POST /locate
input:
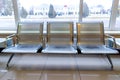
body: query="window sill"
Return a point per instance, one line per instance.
(106, 32)
(112, 32)
(7, 32)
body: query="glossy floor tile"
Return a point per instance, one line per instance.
(59, 67)
(99, 75)
(7, 75)
(115, 61)
(60, 75)
(4, 58)
(92, 62)
(61, 62)
(28, 75)
(28, 62)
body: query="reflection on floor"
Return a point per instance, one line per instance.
(59, 67)
(60, 75)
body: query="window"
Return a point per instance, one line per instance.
(13, 11)
(7, 21)
(97, 10)
(117, 26)
(48, 10)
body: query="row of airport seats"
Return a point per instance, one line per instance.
(60, 38)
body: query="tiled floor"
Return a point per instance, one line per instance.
(59, 62)
(60, 75)
(59, 67)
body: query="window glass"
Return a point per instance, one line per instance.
(118, 18)
(97, 10)
(7, 21)
(45, 10)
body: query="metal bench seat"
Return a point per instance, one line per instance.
(60, 49)
(59, 38)
(23, 48)
(91, 39)
(28, 39)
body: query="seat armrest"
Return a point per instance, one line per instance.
(11, 40)
(111, 41)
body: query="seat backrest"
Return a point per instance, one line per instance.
(29, 33)
(60, 33)
(90, 33)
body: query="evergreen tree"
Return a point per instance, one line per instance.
(7, 6)
(52, 12)
(23, 13)
(85, 10)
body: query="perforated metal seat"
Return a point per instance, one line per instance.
(27, 40)
(59, 38)
(90, 39)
